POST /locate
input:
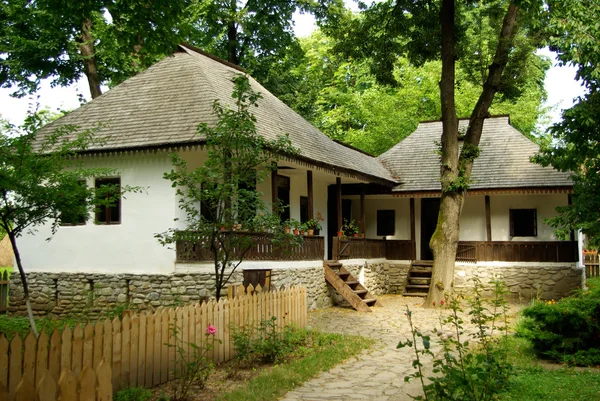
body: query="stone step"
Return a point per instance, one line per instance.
(414, 294)
(417, 287)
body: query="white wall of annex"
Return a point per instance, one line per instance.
(401, 207)
(129, 247)
(545, 205)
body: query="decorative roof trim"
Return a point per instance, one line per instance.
(195, 144)
(468, 118)
(490, 191)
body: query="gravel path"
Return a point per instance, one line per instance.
(376, 374)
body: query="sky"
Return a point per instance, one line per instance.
(560, 84)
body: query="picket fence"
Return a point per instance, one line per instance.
(139, 350)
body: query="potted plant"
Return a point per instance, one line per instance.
(295, 225)
(350, 227)
(312, 225)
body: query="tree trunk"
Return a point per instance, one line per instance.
(13, 242)
(90, 64)
(232, 44)
(444, 241)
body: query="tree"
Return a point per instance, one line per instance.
(257, 35)
(41, 183)
(225, 186)
(341, 96)
(407, 27)
(574, 143)
(104, 40)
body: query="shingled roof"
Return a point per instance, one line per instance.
(162, 107)
(503, 162)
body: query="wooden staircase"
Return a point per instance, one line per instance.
(419, 279)
(348, 286)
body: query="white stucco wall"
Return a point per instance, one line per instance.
(373, 203)
(545, 205)
(472, 219)
(129, 247)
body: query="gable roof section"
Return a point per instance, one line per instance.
(162, 107)
(503, 162)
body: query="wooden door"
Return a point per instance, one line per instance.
(430, 208)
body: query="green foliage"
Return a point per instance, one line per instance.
(568, 330)
(133, 394)
(533, 381)
(464, 372)
(225, 185)
(341, 96)
(350, 227)
(267, 343)
(19, 325)
(46, 39)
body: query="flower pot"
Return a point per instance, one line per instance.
(340, 234)
(355, 235)
(311, 232)
(362, 235)
(296, 231)
(286, 230)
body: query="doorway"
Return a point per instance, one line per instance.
(430, 208)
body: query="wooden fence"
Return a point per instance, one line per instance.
(591, 260)
(139, 349)
(90, 385)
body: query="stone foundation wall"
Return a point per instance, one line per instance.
(523, 280)
(93, 294)
(380, 276)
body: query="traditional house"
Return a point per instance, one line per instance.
(114, 257)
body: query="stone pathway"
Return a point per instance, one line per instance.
(377, 374)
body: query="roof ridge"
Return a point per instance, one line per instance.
(467, 118)
(187, 46)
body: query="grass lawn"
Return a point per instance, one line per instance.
(537, 380)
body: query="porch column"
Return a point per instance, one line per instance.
(362, 209)
(338, 199)
(413, 236)
(488, 218)
(274, 189)
(309, 191)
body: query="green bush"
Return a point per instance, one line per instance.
(265, 343)
(566, 331)
(133, 394)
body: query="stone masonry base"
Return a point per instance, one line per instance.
(93, 294)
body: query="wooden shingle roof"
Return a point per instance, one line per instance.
(162, 107)
(504, 161)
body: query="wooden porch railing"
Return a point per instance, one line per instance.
(524, 251)
(263, 248)
(359, 248)
(592, 264)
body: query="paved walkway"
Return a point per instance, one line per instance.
(377, 374)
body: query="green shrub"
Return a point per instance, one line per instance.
(133, 394)
(464, 372)
(265, 343)
(566, 331)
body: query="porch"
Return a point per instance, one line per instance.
(313, 248)
(467, 252)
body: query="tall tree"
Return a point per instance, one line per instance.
(341, 96)
(104, 40)
(438, 30)
(574, 143)
(257, 34)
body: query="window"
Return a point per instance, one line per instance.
(108, 209)
(386, 222)
(523, 222)
(208, 208)
(77, 212)
(283, 194)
